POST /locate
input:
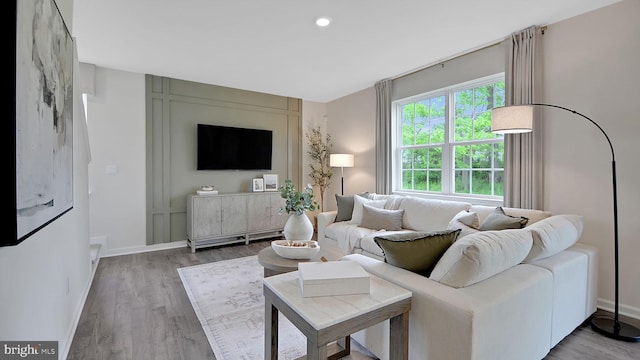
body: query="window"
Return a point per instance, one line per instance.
(444, 144)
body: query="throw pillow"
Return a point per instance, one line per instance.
(467, 222)
(481, 255)
(553, 235)
(358, 201)
(498, 220)
(345, 206)
(418, 251)
(379, 219)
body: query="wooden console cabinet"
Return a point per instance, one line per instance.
(230, 218)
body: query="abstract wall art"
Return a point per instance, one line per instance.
(43, 117)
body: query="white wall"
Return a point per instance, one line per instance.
(116, 121)
(45, 278)
(591, 66)
(352, 125)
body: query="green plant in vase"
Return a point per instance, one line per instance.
(298, 226)
(297, 201)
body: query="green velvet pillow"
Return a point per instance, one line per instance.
(345, 206)
(418, 252)
(498, 220)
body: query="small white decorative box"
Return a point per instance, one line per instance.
(332, 278)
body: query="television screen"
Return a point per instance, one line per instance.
(232, 148)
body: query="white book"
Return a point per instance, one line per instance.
(332, 278)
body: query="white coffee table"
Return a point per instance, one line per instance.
(329, 318)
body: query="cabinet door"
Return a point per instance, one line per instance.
(205, 217)
(277, 220)
(259, 212)
(234, 214)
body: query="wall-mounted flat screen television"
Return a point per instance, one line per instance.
(233, 148)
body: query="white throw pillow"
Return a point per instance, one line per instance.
(466, 221)
(553, 235)
(358, 201)
(479, 256)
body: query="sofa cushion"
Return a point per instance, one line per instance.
(533, 215)
(345, 206)
(418, 251)
(393, 201)
(498, 220)
(467, 222)
(428, 214)
(346, 235)
(358, 201)
(553, 235)
(381, 219)
(479, 256)
(369, 247)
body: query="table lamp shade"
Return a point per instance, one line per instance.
(341, 160)
(512, 119)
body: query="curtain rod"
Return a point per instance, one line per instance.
(441, 62)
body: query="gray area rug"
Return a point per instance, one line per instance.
(227, 298)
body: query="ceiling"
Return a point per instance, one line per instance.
(274, 46)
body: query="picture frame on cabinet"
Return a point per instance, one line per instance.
(270, 182)
(257, 185)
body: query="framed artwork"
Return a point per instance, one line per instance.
(43, 117)
(270, 182)
(258, 185)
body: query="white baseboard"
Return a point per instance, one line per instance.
(630, 311)
(146, 248)
(64, 352)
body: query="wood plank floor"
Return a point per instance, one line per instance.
(137, 309)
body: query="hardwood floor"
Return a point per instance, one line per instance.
(137, 309)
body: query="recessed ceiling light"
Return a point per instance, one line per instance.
(323, 21)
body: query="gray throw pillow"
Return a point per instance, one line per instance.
(418, 252)
(378, 219)
(498, 220)
(345, 206)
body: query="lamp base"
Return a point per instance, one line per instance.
(606, 326)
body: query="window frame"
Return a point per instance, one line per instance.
(448, 160)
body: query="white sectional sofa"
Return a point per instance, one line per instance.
(494, 294)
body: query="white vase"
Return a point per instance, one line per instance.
(298, 227)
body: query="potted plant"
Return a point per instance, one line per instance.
(319, 151)
(298, 226)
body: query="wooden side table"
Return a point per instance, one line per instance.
(326, 319)
(274, 264)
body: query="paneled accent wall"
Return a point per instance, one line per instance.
(173, 110)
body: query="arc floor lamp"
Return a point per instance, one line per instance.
(342, 161)
(518, 119)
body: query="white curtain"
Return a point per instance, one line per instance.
(383, 137)
(523, 181)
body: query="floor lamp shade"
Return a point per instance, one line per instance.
(518, 119)
(342, 161)
(512, 119)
